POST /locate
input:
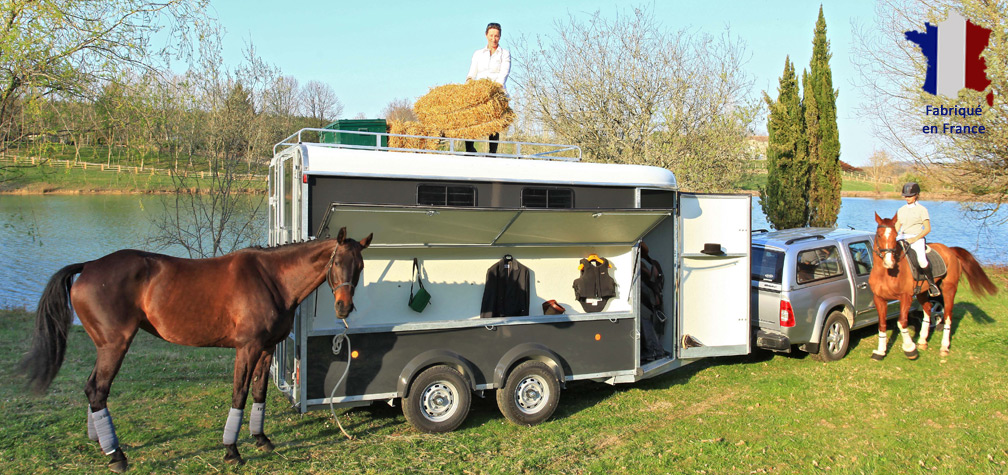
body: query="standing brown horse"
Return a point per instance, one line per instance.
(892, 279)
(244, 300)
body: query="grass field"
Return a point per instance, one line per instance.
(756, 414)
(58, 178)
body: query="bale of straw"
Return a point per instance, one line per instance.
(407, 127)
(472, 110)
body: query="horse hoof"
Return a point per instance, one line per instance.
(922, 346)
(263, 443)
(945, 352)
(912, 355)
(232, 456)
(877, 357)
(118, 463)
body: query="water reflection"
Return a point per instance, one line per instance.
(41, 234)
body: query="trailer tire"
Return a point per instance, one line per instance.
(835, 339)
(530, 394)
(438, 400)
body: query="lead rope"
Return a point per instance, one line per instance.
(337, 345)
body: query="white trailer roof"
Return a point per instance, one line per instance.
(324, 159)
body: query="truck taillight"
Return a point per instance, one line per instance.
(786, 314)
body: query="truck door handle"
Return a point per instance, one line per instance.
(863, 285)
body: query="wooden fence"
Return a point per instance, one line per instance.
(116, 168)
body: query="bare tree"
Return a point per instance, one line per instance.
(628, 90)
(320, 103)
(880, 168)
(399, 110)
(212, 211)
(892, 69)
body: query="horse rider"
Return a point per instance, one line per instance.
(912, 224)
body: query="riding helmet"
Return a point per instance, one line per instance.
(911, 189)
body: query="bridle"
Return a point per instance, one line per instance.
(329, 274)
(882, 251)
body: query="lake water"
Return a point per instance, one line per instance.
(41, 234)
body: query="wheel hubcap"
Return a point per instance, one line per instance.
(835, 338)
(439, 401)
(531, 394)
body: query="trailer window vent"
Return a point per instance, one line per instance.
(547, 198)
(446, 195)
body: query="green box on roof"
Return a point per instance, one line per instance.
(356, 125)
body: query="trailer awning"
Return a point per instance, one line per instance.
(418, 226)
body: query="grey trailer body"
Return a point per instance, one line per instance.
(458, 214)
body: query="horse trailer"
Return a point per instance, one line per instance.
(540, 269)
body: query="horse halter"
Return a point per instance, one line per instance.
(329, 273)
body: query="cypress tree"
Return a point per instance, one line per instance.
(824, 161)
(784, 198)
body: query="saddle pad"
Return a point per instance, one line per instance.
(938, 269)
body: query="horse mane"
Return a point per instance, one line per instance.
(282, 247)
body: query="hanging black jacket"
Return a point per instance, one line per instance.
(506, 293)
(595, 286)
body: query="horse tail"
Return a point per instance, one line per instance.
(978, 280)
(52, 321)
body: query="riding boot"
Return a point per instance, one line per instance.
(933, 290)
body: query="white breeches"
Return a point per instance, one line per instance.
(919, 247)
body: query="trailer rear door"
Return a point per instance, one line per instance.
(713, 300)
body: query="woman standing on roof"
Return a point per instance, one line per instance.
(494, 63)
(913, 223)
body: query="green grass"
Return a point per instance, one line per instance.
(757, 414)
(754, 182)
(59, 178)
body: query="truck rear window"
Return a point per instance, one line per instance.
(767, 265)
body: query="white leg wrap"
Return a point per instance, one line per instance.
(256, 418)
(925, 329)
(908, 344)
(106, 431)
(92, 433)
(881, 343)
(232, 426)
(947, 335)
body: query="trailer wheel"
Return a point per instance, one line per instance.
(530, 394)
(438, 400)
(835, 338)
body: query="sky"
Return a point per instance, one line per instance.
(375, 51)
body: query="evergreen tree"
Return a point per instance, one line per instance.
(784, 198)
(813, 150)
(822, 133)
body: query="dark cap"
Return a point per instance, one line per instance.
(911, 189)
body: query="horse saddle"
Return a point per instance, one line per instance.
(938, 268)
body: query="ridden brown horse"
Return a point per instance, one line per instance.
(892, 279)
(243, 300)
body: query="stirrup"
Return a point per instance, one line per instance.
(933, 290)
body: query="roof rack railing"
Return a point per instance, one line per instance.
(817, 237)
(540, 151)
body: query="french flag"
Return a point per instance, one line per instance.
(953, 52)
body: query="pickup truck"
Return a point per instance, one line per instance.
(810, 289)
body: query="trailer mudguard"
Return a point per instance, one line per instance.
(431, 358)
(527, 351)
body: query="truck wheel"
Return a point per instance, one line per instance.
(530, 394)
(438, 400)
(835, 338)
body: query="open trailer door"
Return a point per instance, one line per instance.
(713, 301)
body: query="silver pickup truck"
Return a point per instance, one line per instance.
(810, 289)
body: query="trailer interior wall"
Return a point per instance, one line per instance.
(455, 278)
